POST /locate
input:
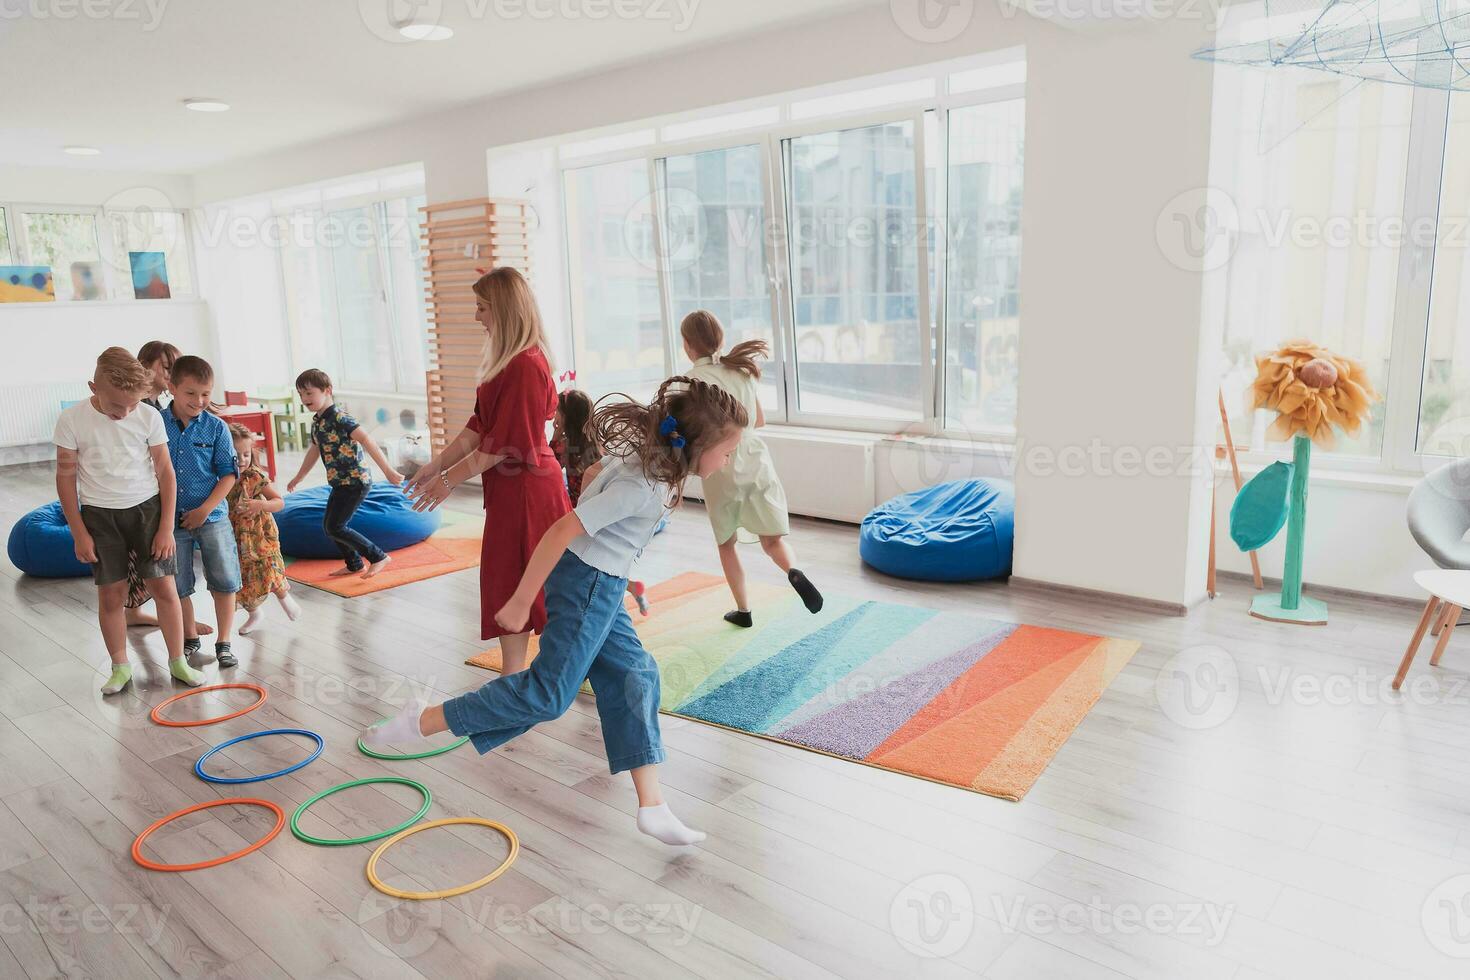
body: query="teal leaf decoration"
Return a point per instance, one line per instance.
(1260, 508)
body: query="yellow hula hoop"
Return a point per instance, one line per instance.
(372, 864)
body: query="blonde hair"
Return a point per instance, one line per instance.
(517, 320)
(118, 367)
(702, 414)
(239, 432)
(701, 330)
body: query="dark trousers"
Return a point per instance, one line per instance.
(342, 503)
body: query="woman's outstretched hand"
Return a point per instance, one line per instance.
(426, 473)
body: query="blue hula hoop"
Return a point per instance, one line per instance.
(199, 766)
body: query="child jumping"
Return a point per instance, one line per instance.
(204, 462)
(574, 440)
(582, 561)
(117, 490)
(252, 502)
(748, 494)
(338, 441)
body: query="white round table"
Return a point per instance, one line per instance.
(1449, 593)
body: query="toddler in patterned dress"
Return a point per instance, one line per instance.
(253, 500)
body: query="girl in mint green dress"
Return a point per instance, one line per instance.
(746, 495)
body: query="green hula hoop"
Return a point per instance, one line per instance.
(412, 755)
(302, 835)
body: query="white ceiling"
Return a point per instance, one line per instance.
(300, 70)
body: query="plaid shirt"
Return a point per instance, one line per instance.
(203, 454)
(332, 430)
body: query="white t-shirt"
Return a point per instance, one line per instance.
(619, 510)
(114, 467)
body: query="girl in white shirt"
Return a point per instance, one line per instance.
(690, 428)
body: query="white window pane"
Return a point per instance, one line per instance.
(607, 144)
(717, 250)
(406, 282)
(5, 253)
(983, 275)
(616, 316)
(150, 231)
(988, 76)
(731, 122)
(855, 282)
(868, 98)
(1312, 168)
(362, 307)
(1444, 409)
(59, 239)
(310, 295)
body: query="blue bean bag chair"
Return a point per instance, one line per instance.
(41, 544)
(386, 518)
(956, 532)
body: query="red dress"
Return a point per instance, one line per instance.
(524, 493)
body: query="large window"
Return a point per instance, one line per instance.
(612, 257)
(855, 272)
(715, 229)
(983, 265)
(871, 235)
(354, 292)
(67, 242)
(150, 231)
(1344, 212)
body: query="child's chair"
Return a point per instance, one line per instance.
(236, 398)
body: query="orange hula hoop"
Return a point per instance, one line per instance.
(212, 862)
(157, 713)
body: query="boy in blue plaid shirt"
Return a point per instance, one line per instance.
(203, 455)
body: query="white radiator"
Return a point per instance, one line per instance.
(28, 412)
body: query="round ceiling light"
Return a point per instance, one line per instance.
(425, 32)
(206, 105)
(81, 151)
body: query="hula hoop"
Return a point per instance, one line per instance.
(212, 862)
(157, 713)
(412, 755)
(199, 766)
(372, 865)
(302, 835)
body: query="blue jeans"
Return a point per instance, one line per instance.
(342, 503)
(588, 636)
(216, 541)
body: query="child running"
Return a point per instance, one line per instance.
(338, 441)
(574, 440)
(117, 490)
(748, 494)
(583, 560)
(252, 502)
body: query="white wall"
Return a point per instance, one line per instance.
(1117, 125)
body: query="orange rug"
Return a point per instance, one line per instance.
(970, 702)
(453, 548)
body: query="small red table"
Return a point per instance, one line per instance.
(259, 422)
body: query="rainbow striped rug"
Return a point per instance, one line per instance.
(957, 699)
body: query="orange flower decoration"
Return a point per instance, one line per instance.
(1313, 390)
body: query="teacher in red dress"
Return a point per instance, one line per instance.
(505, 442)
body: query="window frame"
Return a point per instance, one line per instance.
(773, 140)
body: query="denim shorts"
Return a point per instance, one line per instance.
(216, 541)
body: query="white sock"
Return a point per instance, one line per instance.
(252, 620)
(659, 822)
(288, 603)
(401, 729)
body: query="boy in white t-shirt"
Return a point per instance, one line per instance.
(117, 489)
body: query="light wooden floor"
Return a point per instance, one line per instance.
(1299, 834)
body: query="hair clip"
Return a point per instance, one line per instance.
(669, 428)
(714, 358)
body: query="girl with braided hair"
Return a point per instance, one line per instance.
(747, 496)
(582, 563)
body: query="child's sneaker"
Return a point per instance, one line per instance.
(740, 617)
(224, 657)
(640, 596)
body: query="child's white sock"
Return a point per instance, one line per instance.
(402, 729)
(289, 603)
(252, 620)
(659, 822)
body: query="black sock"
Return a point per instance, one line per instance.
(222, 654)
(740, 617)
(804, 588)
(192, 645)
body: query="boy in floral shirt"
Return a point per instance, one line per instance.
(338, 441)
